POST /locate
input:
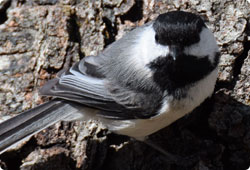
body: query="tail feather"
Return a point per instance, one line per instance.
(16, 129)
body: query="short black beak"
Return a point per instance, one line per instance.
(175, 51)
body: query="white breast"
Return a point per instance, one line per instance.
(170, 111)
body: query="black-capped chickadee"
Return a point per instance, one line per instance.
(141, 83)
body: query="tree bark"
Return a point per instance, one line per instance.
(40, 37)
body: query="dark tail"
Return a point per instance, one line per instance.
(24, 125)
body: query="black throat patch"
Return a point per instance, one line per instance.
(175, 76)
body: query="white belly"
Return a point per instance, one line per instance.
(171, 111)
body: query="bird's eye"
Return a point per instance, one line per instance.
(156, 38)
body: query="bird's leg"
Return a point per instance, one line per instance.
(169, 157)
(173, 158)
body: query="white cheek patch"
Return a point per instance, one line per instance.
(207, 46)
(147, 49)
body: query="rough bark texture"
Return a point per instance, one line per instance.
(40, 37)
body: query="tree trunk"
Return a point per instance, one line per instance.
(40, 37)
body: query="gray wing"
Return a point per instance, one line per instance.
(83, 84)
(99, 82)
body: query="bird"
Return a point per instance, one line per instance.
(139, 84)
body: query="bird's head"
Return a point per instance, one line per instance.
(192, 51)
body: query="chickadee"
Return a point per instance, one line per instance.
(141, 83)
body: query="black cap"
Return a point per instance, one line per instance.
(178, 28)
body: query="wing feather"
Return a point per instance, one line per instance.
(86, 83)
